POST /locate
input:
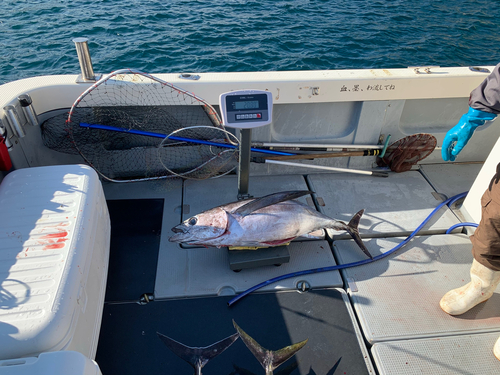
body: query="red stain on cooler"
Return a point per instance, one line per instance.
(55, 235)
(54, 240)
(58, 245)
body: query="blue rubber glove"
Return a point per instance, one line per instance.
(458, 136)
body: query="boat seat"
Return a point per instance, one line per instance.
(54, 252)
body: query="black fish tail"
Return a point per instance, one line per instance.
(269, 359)
(198, 357)
(352, 229)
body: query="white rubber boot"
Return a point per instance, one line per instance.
(496, 349)
(483, 283)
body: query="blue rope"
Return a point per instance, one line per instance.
(348, 265)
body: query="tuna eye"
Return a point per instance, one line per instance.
(193, 221)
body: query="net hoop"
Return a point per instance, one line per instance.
(212, 113)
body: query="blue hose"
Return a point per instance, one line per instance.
(348, 265)
(461, 225)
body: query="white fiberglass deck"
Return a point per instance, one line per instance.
(205, 271)
(396, 298)
(192, 272)
(451, 179)
(393, 206)
(464, 354)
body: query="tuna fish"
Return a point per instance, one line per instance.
(271, 220)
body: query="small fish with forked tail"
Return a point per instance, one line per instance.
(271, 220)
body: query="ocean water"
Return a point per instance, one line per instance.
(245, 35)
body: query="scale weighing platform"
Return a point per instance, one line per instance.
(245, 110)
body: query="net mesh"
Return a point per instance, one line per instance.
(402, 154)
(129, 102)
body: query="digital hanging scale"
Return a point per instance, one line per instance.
(246, 109)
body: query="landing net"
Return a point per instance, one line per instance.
(123, 127)
(408, 151)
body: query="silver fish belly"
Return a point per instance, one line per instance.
(269, 226)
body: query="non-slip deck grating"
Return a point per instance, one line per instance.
(397, 297)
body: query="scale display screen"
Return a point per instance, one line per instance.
(246, 109)
(247, 104)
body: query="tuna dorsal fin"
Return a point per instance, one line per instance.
(198, 357)
(269, 200)
(269, 359)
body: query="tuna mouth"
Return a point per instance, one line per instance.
(177, 230)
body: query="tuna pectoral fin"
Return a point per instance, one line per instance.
(352, 228)
(269, 359)
(198, 357)
(269, 200)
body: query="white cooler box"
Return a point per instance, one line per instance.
(52, 363)
(54, 252)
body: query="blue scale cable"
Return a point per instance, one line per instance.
(448, 202)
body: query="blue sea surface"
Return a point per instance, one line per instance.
(245, 35)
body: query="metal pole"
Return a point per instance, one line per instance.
(244, 163)
(82, 49)
(27, 108)
(326, 147)
(13, 121)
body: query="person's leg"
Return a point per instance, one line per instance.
(496, 349)
(486, 239)
(485, 270)
(481, 287)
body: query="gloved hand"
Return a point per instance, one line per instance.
(458, 136)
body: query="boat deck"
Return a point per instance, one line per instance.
(383, 317)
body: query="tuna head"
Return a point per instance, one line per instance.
(202, 227)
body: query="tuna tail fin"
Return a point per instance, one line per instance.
(198, 357)
(352, 229)
(269, 359)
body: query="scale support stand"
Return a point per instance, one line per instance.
(244, 110)
(244, 163)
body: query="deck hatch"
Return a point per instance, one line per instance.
(274, 319)
(135, 240)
